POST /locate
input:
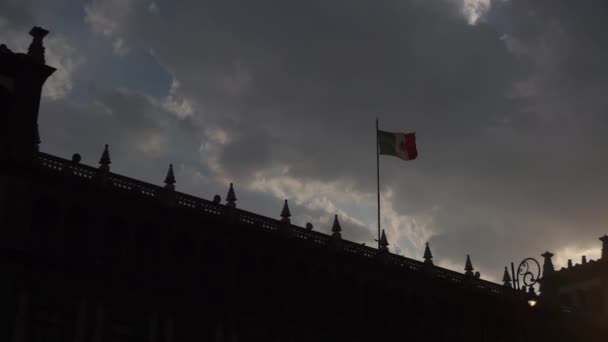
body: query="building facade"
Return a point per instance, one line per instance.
(88, 255)
(581, 289)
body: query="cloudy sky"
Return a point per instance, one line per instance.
(280, 97)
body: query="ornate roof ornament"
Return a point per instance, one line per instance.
(468, 267)
(428, 256)
(506, 278)
(170, 179)
(231, 197)
(336, 229)
(383, 245)
(104, 161)
(604, 240)
(548, 267)
(285, 214)
(36, 48)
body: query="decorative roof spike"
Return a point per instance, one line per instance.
(170, 179)
(335, 228)
(506, 278)
(36, 49)
(428, 256)
(468, 267)
(231, 197)
(285, 214)
(383, 243)
(548, 267)
(104, 161)
(604, 240)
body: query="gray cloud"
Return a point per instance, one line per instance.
(510, 115)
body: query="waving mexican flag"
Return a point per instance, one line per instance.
(401, 145)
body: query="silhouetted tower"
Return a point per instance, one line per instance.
(21, 79)
(428, 256)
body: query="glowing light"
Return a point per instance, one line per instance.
(532, 302)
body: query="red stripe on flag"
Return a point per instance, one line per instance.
(410, 145)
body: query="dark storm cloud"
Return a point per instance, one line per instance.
(510, 114)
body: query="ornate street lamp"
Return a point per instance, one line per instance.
(527, 275)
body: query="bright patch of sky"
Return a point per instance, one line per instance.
(473, 10)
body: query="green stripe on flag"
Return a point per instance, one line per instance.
(387, 143)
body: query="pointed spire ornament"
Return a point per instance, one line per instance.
(336, 229)
(548, 267)
(36, 48)
(506, 278)
(428, 256)
(104, 161)
(231, 197)
(383, 245)
(285, 214)
(468, 267)
(170, 179)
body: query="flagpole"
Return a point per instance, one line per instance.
(378, 178)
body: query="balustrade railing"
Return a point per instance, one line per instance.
(88, 173)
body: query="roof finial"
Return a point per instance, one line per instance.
(231, 197)
(170, 179)
(36, 49)
(383, 245)
(604, 240)
(104, 161)
(428, 256)
(335, 228)
(285, 214)
(548, 267)
(468, 267)
(506, 278)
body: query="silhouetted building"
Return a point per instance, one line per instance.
(581, 288)
(88, 255)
